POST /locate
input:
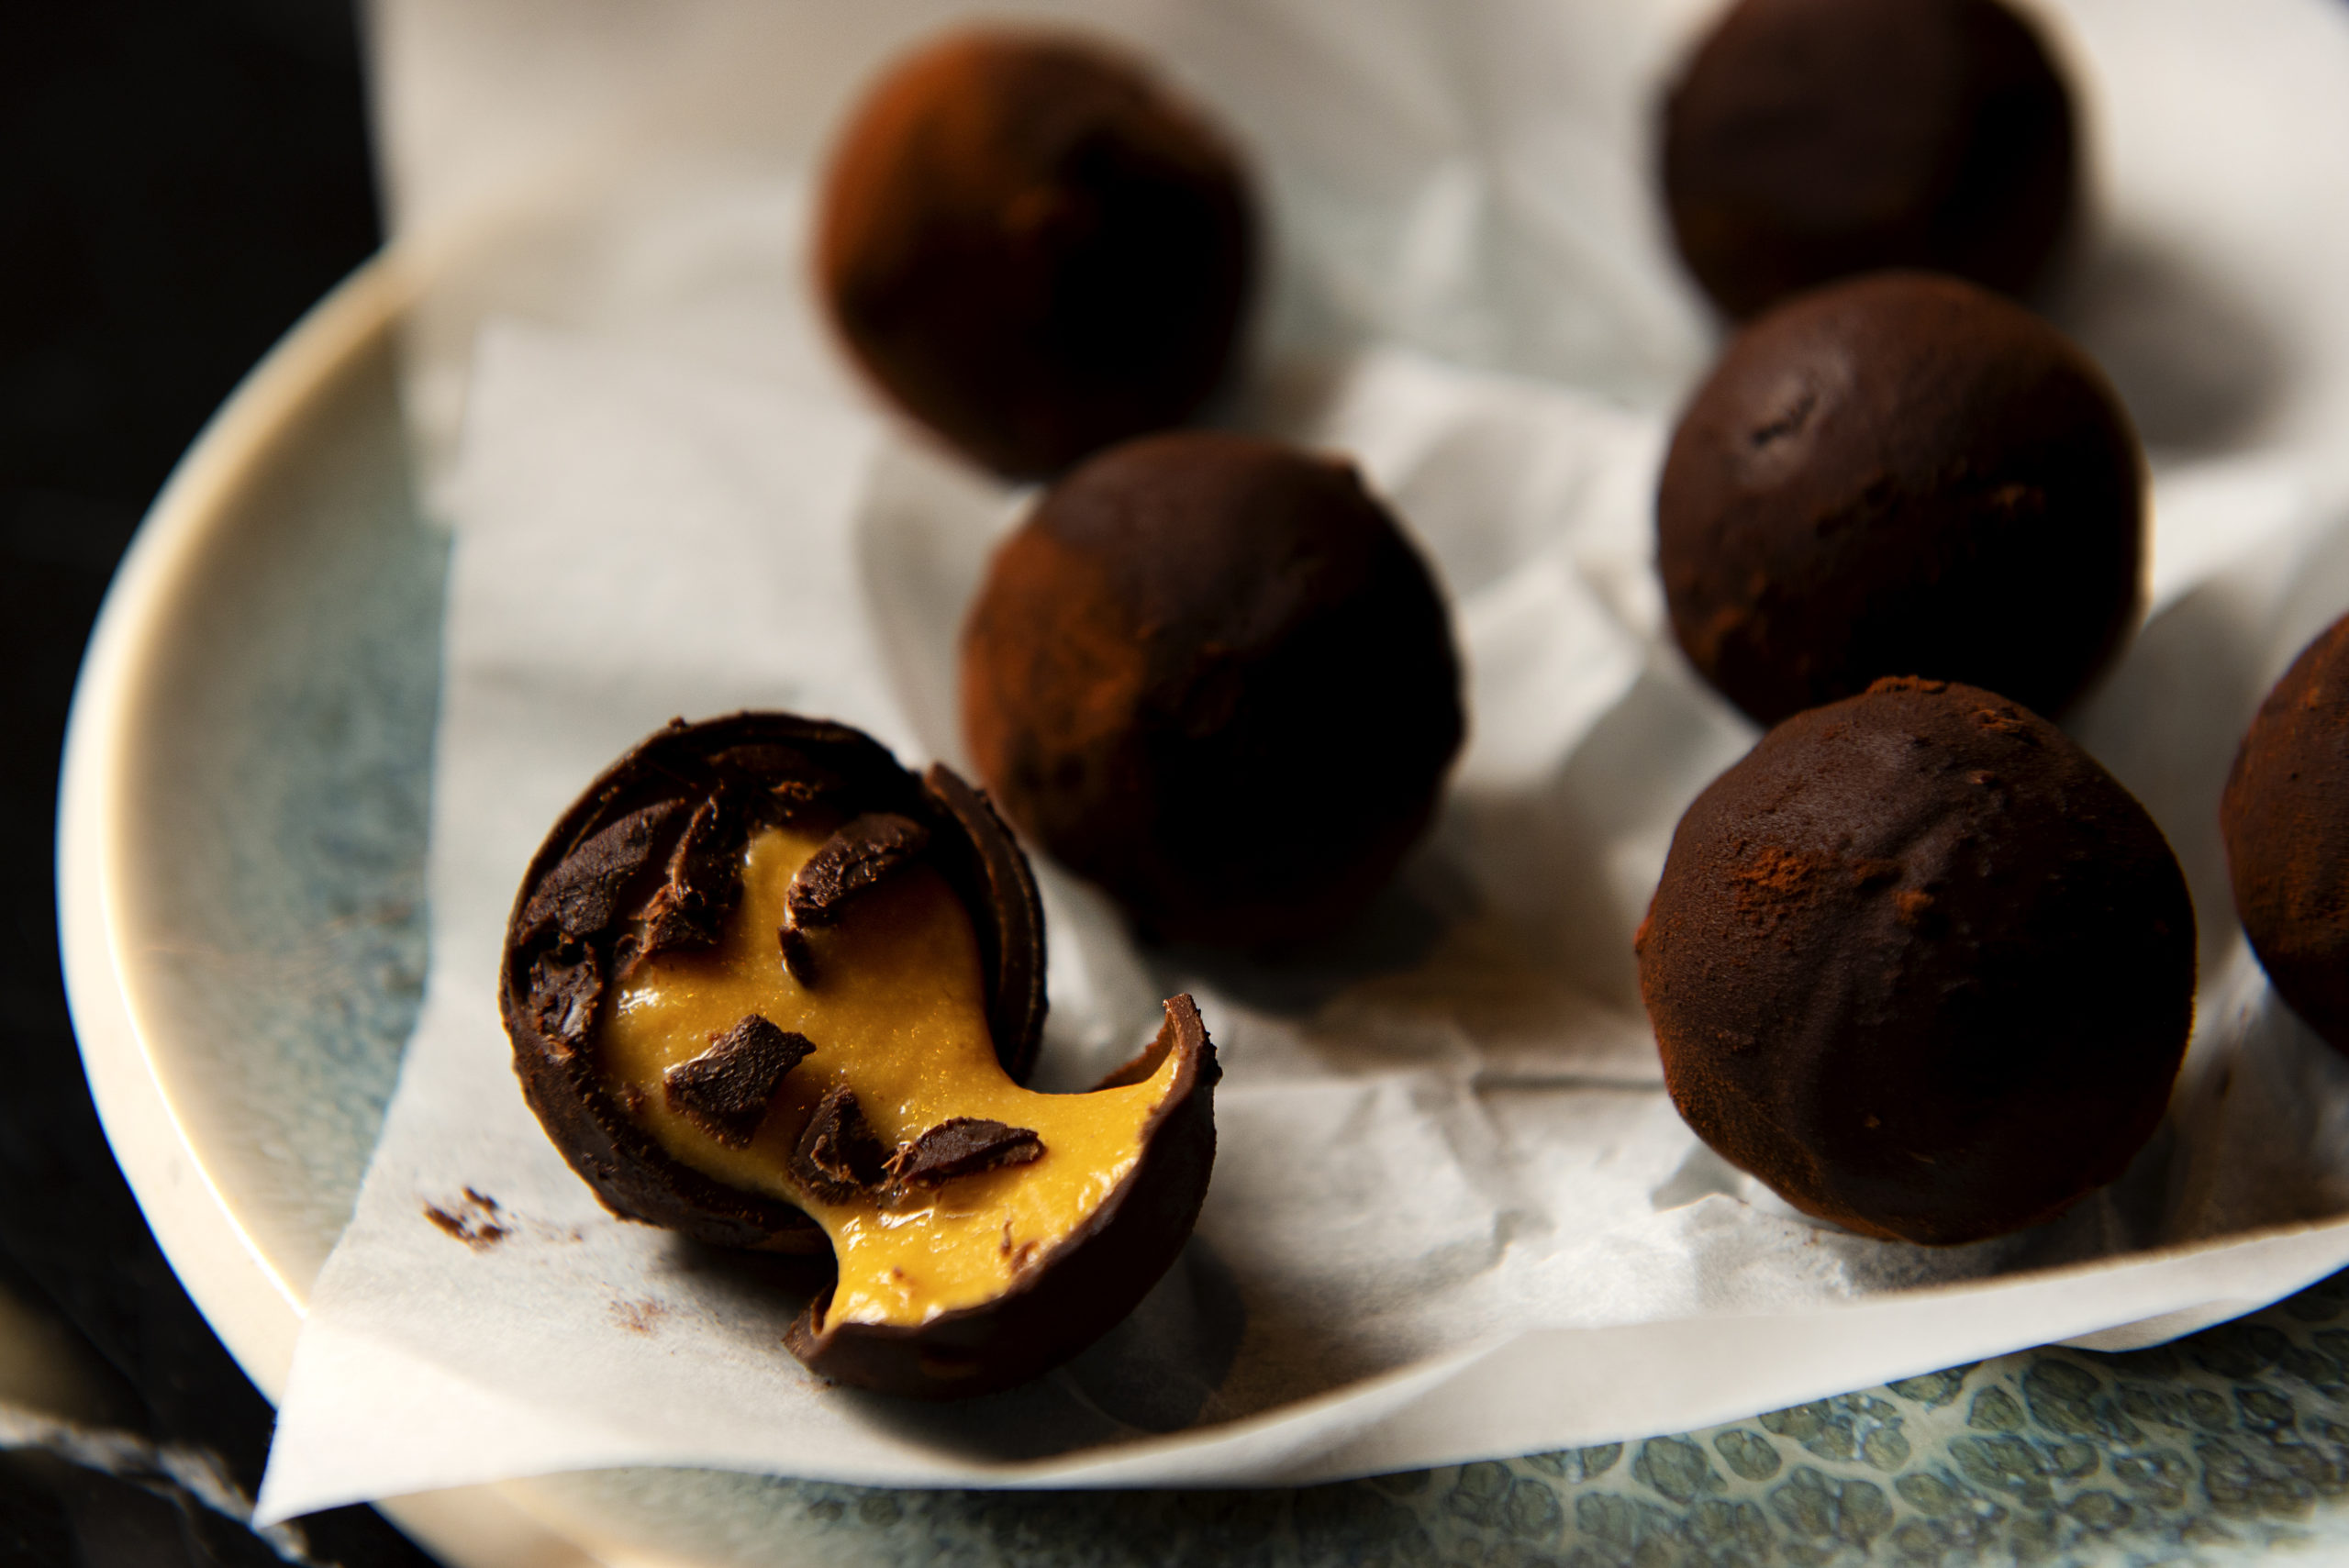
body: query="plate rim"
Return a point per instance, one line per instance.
(250, 1301)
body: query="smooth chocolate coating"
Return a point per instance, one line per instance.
(1210, 674)
(2286, 819)
(1809, 139)
(1901, 474)
(1921, 965)
(602, 887)
(1034, 247)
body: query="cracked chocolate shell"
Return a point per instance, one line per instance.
(1921, 965)
(769, 989)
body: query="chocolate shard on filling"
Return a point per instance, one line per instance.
(962, 1146)
(798, 955)
(566, 983)
(582, 894)
(726, 1089)
(837, 1157)
(705, 880)
(857, 857)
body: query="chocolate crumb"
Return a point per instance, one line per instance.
(963, 1146)
(860, 855)
(725, 1090)
(473, 1222)
(837, 1157)
(581, 895)
(705, 881)
(566, 983)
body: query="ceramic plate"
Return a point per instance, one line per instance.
(242, 852)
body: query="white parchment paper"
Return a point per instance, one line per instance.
(1454, 1213)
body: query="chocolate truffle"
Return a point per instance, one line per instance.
(1901, 474)
(1809, 140)
(767, 988)
(1210, 674)
(2286, 819)
(1921, 965)
(1034, 247)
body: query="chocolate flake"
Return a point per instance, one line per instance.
(725, 1090)
(798, 955)
(581, 895)
(566, 983)
(860, 855)
(475, 1221)
(837, 1157)
(705, 881)
(963, 1146)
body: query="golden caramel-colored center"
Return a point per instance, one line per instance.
(898, 1015)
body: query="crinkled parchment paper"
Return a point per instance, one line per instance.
(1454, 1213)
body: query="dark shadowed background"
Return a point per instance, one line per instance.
(179, 181)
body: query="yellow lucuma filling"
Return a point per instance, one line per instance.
(898, 1016)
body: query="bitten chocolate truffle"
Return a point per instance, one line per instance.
(1921, 965)
(1901, 474)
(1210, 674)
(767, 988)
(2286, 819)
(1809, 139)
(1035, 247)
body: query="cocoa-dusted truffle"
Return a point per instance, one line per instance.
(1212, 674)
(769, 989)
(1809, 140)
(1901, 474)
(1035, 247)
(1920, 964)
(2286, 819)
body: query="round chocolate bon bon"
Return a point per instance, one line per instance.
(1809, 140)
(1921, 965)
(1901, 474)
(2286, 819)
(1210, 674)
(1034, 247)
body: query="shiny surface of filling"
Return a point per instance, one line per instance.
(898, 1016)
